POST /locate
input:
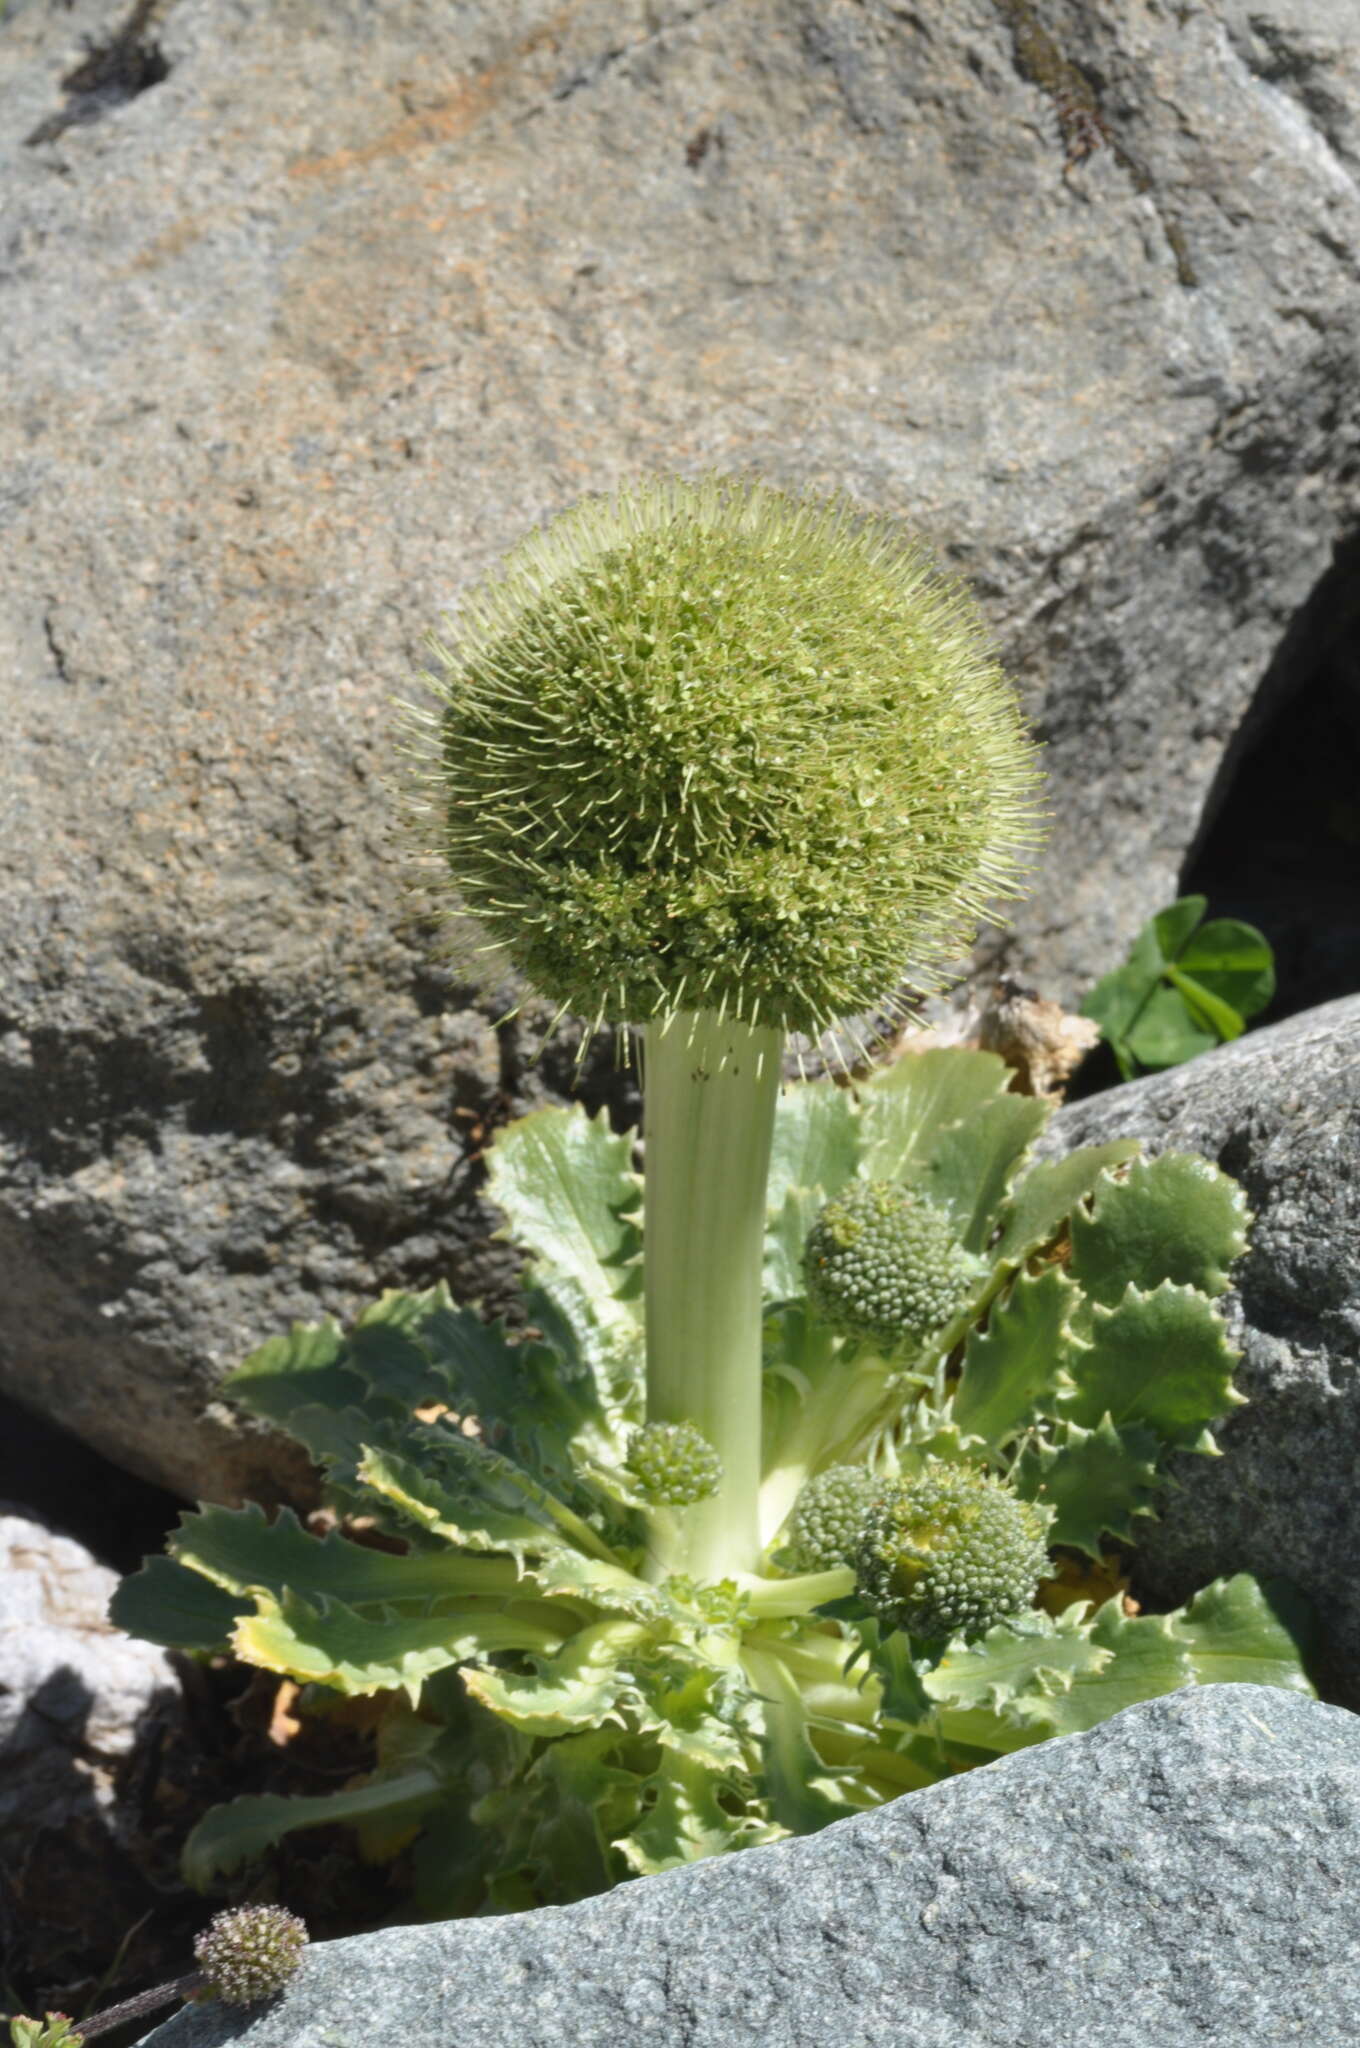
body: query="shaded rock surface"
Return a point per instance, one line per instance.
(308, 311)
(1188, 1872)
(74, 1691)
(1280, 1111)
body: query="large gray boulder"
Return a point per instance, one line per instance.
(1280, 1110)
(1188, 1873)
(309, 311)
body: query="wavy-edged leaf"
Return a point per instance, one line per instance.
(1033, 1657)
(566, 1185)
(679, 1715)
(324, 1642)
(479, 1368)
(236, 1833)
(1172, 1218)
(239, 1550)
(386, 1350)
(972, 1165)
(562, 1573)
(305, 1367)
(1015, 1366)
(906, 1108)
(1245, 1631)
(1096, 1480)
(582, 1686)
(167, 1603)
(686, 1820)
(1161, 1359)
(548, 1834)
(459, 1500)
(1146, 1658)
(1049, 1193)
(816, 1141)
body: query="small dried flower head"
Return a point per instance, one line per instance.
(250, 1952)
(709, 746)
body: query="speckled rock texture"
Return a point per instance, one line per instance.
(1280, 1110)
(75, 1693)
(1188, 1874)
(308, 308)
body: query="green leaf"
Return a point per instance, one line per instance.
(1015, 1365)
(1241, 1631)
(581, 1686)
(686, 1820)
(1048, 1195)
(165, 1602)
(802, 1794)
(463, 1499)
(1186, 986)
(907, 1107)
(690, 1707)
(326, 1643)
(1145, 1658)
(1205, 1007)
(557, 1826)
(1097, 1480)
(393, 1367)
(566, 1185)
(971, 1165)
(903, 1697)
(1032, 1657)
(1161, 1359)
(816, 1141)
(307, 1367)
(1167, 1032)
(239, 1550)
(1231, 961)
(230, 1835)
(1172, 1218)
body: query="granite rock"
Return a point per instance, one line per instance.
(76, 1694)
(308, 310)
(1280, 1111)
(1187, 1873)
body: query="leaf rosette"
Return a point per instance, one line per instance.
(557, 1713)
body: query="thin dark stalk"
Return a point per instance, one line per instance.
(144, 2002)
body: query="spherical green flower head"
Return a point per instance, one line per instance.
(950, 1553)
(707, 746)
(673, 1464)
(828, 1514)
(883, 1263)
(250, 1952)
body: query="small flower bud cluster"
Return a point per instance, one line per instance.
(883, 1263)
(950, 1553)
(250, 1952)
(673, 1465)
(827, 1516)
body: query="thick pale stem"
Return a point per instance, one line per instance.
(710, 1092)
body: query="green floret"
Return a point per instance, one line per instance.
(883, 1263)
(950, 1553)
(828, 1514)
(673, 1465)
